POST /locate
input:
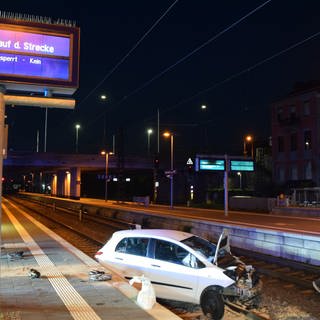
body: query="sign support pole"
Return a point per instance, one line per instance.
(2, 115)
(47, 93)
(226, 190)
(171, 175)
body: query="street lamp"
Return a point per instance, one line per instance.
(77, 126)
(167, 135)
(240, 179)
(149, 132)
(104, 98)
(248, 139)
(106, 154)
(204, 127)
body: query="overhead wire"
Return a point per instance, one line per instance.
(215, 37)
(128, 53)
(238, 74)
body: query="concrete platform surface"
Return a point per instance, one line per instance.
(63, 290)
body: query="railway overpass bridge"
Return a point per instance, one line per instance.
(61, 173)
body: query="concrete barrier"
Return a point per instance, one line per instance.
(286, 245)
(252, 203)
(145, 200)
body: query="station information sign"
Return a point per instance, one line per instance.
(241, 165)
(217, 163)
(41, 55)
(212, 164)
(34, 55)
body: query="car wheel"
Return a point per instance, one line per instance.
(212, 304)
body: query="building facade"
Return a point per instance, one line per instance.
(295, 138)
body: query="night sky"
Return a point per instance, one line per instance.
(228, 74)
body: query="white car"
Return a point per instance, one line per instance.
(182, 266)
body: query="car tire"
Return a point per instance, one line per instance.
(212, 304)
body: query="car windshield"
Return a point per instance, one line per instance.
(205, 247)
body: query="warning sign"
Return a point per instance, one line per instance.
(189, 162)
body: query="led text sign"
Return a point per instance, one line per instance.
(241, 165)
(212, 164)
(40, 56)
(217, 163)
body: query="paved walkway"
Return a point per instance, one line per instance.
(63, 290)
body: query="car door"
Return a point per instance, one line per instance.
(130, 255)
(173, 271)
(223, 244)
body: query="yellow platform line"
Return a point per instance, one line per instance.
(77, 306)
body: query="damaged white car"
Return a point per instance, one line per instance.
(183, 267)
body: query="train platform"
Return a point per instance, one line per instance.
(44, 277)
(304, 223)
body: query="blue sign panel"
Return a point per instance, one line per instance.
(34, 43)
(36, 56)
(241, 165)
(212, 164)
(34, 66)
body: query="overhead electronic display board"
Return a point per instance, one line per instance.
(219, 163)
(212, 164)
(39, 56)
(241, 165)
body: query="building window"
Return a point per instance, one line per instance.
(308, 171)
(281, 144)
(306, 108)
(294, 173)
(293, 142)
(280, 174)
(280, 113)
(259, 155)
(307, 140)
(293, 112)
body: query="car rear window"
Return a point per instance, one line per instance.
(133, 245)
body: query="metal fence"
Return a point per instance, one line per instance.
(305, 197)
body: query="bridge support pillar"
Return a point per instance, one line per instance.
(67, 183)
(54, 185)
(60, 183)
(75, 183)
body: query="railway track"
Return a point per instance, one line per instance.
(299, 274)
(78, 231)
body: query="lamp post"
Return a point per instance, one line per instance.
(149, 132)
(103, 98)
(106, 154)
(247, 139)
(77, 126)
(240, 179)
(167, 135)
(204, 126)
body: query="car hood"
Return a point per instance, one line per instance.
(223, 246)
